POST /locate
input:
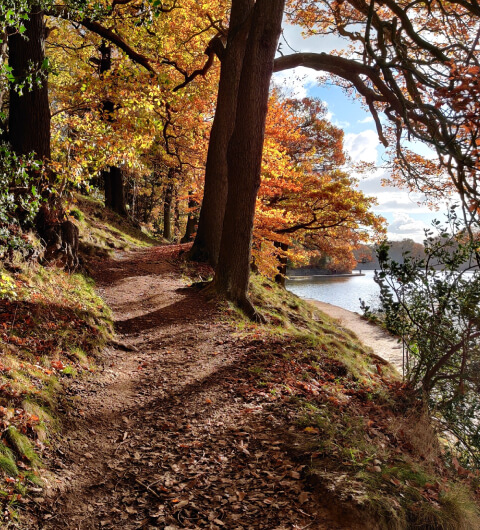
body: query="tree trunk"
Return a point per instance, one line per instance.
(176, 213)
(29, 113)
(107, 184)
(167, 208)
(118, 191)
(3, 60)
(244, 154)
(114, 190)
(207, 241)
(191, 220)
(282, 266)
(113, 176)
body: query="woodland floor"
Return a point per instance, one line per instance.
(166, 437)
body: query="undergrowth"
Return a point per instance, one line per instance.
(52, 327)
(102, 231)
(367, 441)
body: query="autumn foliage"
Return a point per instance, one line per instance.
(308, 203)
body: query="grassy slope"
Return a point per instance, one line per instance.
(366, 443)
(103, 231)
(53, 328)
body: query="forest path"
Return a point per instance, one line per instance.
(165, 437)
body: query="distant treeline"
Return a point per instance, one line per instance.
(367, 258)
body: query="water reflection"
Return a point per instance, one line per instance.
(343, 291)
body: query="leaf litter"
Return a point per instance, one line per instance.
(179, 443)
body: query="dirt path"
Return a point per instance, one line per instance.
(381, 342)
(164, 439)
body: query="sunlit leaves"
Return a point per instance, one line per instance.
(307, 202)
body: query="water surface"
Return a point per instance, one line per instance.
(343, 291)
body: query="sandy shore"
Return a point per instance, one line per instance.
(381, 342)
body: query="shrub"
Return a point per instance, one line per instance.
(433, 304)
(19, 200)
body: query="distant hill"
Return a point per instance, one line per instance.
(367, 258)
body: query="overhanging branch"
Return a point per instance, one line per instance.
(106, 33)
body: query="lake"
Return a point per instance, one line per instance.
(343, 291)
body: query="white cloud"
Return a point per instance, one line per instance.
(404, 226)
(391, 199)
(371, 183)
(401, 202)
(368, 119)
(295, 82)
(340, 124)
(292, 41)
(362, 147)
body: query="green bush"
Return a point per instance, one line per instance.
(19, 200)
(433, 304)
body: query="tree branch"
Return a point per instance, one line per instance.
(106, 33)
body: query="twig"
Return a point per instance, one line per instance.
(148, 488)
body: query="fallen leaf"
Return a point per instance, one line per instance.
(303, 497)
(311, 430)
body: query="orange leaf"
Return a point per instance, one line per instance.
(311, 429)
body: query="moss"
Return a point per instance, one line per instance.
(77, 214)
(21, 446)
(102, 230)
(7, 461)
(69, 371)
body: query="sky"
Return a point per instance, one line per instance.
(405, 217)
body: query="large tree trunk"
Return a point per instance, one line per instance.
(176, 214)
(107, 186)
(244, 154)
(3, 59)
(29, 113)
(207, 241)
(113, 175)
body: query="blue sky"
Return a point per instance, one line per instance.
(406, 219)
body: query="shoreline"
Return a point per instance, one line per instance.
(380, 341)
(312, 276)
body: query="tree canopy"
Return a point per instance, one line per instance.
(132, 88)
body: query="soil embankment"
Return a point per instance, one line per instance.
(382, 343)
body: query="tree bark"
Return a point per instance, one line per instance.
(118, 191)
(176, 214)
(107, 185)
(207, 241)
(114, 190)
(167, 207)
(244, 154)
(113, 176)
(3, 59)
(29, 113)
(282, 266)
(191, 220)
